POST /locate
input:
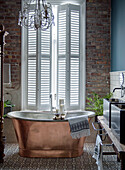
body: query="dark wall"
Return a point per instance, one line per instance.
(97, 43)
(118, 35)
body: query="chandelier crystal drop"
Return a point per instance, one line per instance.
(36, 14)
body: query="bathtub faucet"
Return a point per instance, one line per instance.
(122, 88)
(51, 103)
(116, 89)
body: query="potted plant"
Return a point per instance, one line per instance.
(7, 107)
(95, 103)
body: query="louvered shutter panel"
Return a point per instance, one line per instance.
(45, 68)
(74, 56)
(68, 72)
(39, 60)
(31, 82)
(61, 59)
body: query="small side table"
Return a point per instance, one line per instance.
(118, 147)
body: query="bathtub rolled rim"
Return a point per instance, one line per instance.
(89, 113)
(73, 113)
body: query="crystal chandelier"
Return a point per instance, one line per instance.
(40, 16)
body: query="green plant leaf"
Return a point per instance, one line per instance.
(96, 103)
(8, 103)
(4, 115)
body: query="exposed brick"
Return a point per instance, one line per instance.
(9, 18)
(98, 49)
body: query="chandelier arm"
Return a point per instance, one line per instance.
(39, 18)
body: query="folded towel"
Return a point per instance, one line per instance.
(98, 152)
(79, 126)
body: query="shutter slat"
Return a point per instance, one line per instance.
(45, 42)
(62, 32)
(74, 81)
(75, 32)
(45, 66)
(61, 78)
(31, 40)
(31, 81)
(45, 80)
(74, 59)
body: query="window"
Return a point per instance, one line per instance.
(53, 61)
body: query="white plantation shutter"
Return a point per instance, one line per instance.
(69, 55)
(39, 69)
(45, 68)
(75, 56)
(61, 78)
(75, 31)
(31, 68)
(74, 82)
(62, 32)
(31, 81)
(66, 60)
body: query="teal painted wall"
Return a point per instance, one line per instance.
(118, 35)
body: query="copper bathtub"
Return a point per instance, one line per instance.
(39, 135)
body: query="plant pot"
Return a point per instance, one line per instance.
(7, 109)
(96, 116)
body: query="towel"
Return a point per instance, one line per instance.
(79, 126)
(98, 152)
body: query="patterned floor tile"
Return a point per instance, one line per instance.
(12, 161)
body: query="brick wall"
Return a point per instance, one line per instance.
(9, 18)
(97, 44)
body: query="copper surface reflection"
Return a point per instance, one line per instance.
(46, 139)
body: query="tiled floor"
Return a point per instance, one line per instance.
(12, 161)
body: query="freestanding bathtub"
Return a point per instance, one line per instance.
(39, 135)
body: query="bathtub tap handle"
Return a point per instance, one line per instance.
(51, 109)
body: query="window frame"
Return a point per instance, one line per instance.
(24, 55)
